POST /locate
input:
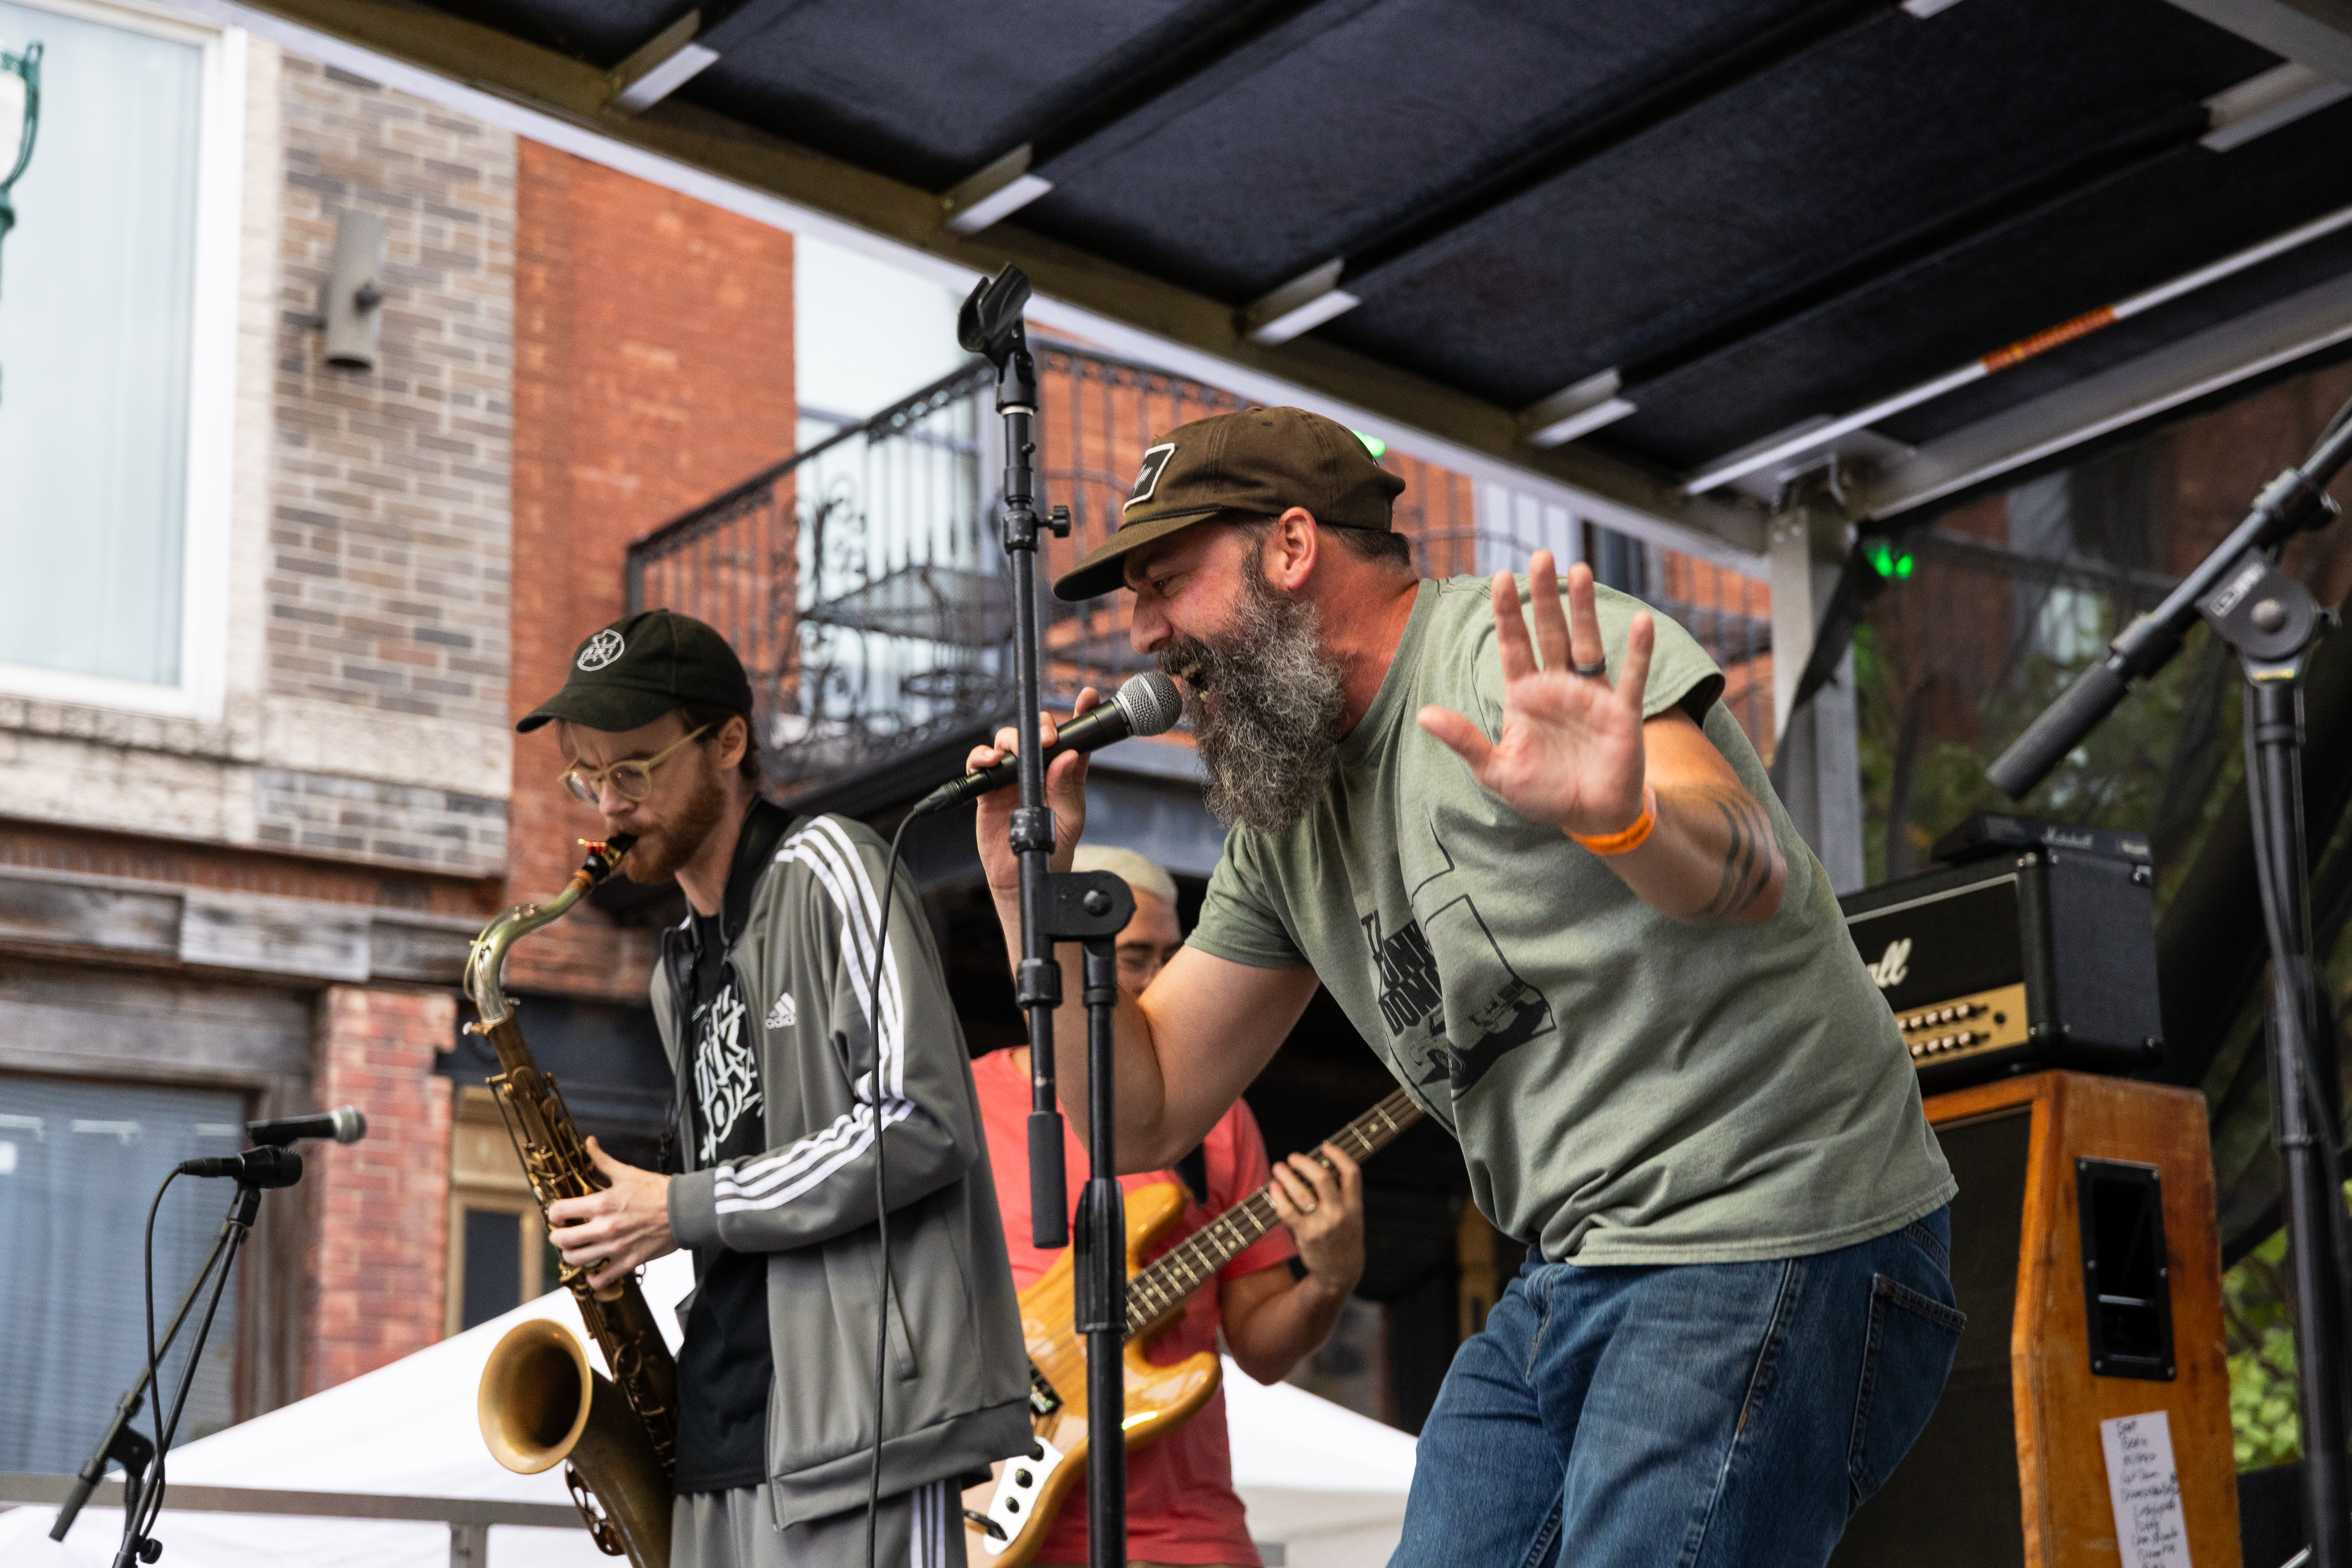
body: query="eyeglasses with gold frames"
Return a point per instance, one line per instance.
(632, 780)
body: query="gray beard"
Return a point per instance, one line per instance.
(1269, 730)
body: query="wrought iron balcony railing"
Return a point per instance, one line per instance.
(863, 581)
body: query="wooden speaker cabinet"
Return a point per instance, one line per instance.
(2069, 1325)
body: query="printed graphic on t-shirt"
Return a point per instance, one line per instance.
(1513, 1013)
(1411, 994)
(726, 1074)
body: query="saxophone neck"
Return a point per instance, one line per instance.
(486, 960)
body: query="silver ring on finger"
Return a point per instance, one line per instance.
(1596, 671)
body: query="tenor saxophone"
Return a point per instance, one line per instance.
(540, 1402)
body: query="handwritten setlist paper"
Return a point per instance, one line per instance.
(2145, 1487)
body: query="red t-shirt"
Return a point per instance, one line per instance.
(1181, 1503)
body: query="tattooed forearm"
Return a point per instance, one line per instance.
(1737, 832)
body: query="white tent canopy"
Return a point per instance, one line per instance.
(1328, 1483)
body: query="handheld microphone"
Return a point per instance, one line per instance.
(268, 1166)
(344, 1124)
(1148, 704)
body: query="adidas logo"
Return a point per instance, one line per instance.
(781, 1015)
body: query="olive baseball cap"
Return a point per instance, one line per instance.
(637, 670)
(1259, 461)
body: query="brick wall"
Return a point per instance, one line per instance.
(382, 1212)
(653, 369)
(386, 587)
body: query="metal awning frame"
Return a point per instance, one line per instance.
(578, 108)
(565, 104)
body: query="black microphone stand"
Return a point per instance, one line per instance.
(2271, 621)
(123, 1443)
(1091, 908)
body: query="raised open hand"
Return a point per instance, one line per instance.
(1572, 752)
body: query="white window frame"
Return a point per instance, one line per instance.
(212, 377)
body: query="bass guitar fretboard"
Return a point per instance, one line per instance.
(1158, 1290)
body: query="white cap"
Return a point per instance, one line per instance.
(1143, 875)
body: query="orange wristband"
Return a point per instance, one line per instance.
(1625, 839)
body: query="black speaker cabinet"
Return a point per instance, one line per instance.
(2085, 1252)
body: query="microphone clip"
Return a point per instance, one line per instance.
(270, 1165)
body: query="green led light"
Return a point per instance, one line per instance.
(1886, 563)
(1903, 564)
(1374, 445)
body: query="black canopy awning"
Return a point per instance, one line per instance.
(1640, 249)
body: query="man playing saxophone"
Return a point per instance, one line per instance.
(786, 1056)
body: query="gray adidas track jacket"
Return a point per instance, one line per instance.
(959, 1380)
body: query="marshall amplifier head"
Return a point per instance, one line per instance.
(2040, 956)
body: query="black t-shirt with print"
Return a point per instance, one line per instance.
(725, 1366)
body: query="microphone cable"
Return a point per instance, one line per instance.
(881, 1186)
(135, 1525)
(135, 1517)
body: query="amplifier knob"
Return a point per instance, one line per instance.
(1918, 1050)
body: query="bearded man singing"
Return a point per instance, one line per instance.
(794, 1049)
(1545, 874)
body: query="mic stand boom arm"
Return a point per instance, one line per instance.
(2269, 622)
(1084, 907)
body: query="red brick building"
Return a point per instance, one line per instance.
(238, 879)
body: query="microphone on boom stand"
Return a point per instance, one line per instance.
(1148, 704)
(1084, 907)
(270, 1163)
(344, 1124)
(267, 1164)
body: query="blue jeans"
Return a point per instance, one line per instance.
(1701, 1415)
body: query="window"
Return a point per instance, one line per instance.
(78, 1164)
(118, 321)
(499, 1255)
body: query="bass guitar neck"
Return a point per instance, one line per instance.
(1008, 1516)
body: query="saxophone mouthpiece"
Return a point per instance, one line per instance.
(604, 856)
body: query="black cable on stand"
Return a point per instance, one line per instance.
(2271, 621)
(1084, 907)
(140, 1456)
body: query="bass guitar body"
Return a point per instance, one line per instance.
(1023, 1496)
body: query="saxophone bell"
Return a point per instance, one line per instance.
(541, 1405)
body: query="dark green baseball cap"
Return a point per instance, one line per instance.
(634, 671)
(1257, 462)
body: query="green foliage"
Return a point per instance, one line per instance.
(2120, 777)
(2263, 1430)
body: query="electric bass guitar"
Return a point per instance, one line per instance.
(1006, 1517)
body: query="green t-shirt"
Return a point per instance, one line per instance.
(1626, 1088)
